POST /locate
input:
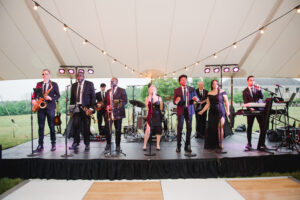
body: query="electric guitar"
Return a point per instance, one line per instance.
(57, 121)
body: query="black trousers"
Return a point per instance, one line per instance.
(118, 126)
(188, 120)
(262, 135)
(42, 114)
(201, 124)
(79, 119)
(100, 118)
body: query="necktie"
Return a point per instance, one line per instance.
(253, 93)
(102, 94)
(45, 87)
(201, 93)
(78, 93)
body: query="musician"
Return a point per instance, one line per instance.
(200, 119)
(115, 101)
(154, 106)
(184, 96)
(253, 94)
(83, 98)
(51, 90)
(100, 97)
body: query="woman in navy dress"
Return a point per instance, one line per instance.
(154, 119)
(216, 117)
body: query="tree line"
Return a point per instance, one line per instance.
(165, 88)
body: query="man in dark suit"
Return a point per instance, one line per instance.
(51, 94)
(200, 119)
(253, 94)
(83, 98)
(184, 96)
(100, 97)
(115, 101)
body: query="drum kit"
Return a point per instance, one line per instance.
(136, 130)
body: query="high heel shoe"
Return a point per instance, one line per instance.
(144, 149)
(157, 148)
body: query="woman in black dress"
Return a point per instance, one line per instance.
(216, 117)
(154, 118)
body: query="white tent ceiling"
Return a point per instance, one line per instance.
(156, 37)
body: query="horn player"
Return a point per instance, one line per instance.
(50, 95)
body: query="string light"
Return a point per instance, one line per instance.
(298, 9)
(114, 60)
(234, 45)
(65, 27)
(132, 70)
(84, 42)
(36, 5)
(186, 68)
(261, 30)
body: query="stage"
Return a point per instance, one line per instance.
(166, 163)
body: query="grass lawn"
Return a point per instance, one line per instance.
(13, 135)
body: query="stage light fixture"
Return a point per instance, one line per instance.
(207, 70)
(90, 71)
(81, 70)
(236, 69)
(61, 71)
(71, 71)
(226, 69)
(216, 70)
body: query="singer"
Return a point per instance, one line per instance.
(184, 96)
(154, 119)
(115, 101)
(254, 94)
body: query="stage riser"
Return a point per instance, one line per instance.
(144, 169)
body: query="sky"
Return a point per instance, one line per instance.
(15, 90)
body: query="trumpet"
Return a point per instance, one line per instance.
(41, 103)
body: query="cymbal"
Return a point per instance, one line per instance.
(137, 103)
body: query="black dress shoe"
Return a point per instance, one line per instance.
(53, 148)
(118, 149)
(87, 148)
(262, 148)
(39, 148)
(107, 148)
(178, 150)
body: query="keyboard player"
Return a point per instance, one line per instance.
(253, 94)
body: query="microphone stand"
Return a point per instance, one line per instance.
(188, 154)
(150, 132)
(66, 155)
(31, 125)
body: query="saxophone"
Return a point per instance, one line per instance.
(41, 103)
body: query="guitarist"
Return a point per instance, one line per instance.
(100, 97)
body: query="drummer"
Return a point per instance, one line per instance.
(154, 105)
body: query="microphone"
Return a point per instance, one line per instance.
(277, 85)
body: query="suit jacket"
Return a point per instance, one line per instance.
(181, 103)
(199, 107)
(255, 98)
(120, 100)
(88, 94)
(98, 99)
(54, 94)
